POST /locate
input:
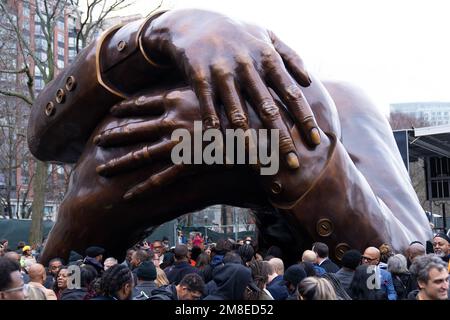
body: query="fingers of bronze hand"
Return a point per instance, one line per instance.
(292, 61)
(145, 105)
(292, 96)
(156, 181)
(269, 114)
(136, 159)
(132, 133)
(201, 82)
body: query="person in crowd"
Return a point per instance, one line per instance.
(94, 257)
(322, 251)
(128, 257)
(181, 266)
(311, 256)
(415, 249)
(27, 259)
(233, 281)
(54, 265)
(14, 256)
(191, 287)
(166, 244)
(75, 259)
(202, 261)
(12, 286)
(441, 246)
(247, 253)
(116, 284)
(310, 268)
(36, 288)
(315, 288)
(198, 241)
(20, 246)
(146, 276)
(138, 257)
(159, 249)
(366, 285)
(350, 261)
(109, 262)
(260, 275)
(193, 255)
(371, 257)
(161, 278)
(293, 276)
(341, 294)
(385, 253)
(87, 275)
(403, 281)
(432, 278)
(4, 246)
(276, 285)
(61, 282)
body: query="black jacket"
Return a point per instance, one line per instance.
(74, 294)
(329, 266)
(179, 270)
(168, 292)
(232, 280)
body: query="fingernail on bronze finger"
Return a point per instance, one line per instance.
(100, 169)
(128, 195)
(315, 136)
(292, 160)
(97, 139)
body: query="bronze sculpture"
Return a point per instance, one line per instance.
(330, 187)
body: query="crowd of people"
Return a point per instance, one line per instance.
(228, 270)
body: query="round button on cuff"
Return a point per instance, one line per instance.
(340, 249)
(121, 45)
(50, 109)
(60, 96)
(71, 83)
(324, 227)
(276, 187)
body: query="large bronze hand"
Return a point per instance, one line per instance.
(228, 61)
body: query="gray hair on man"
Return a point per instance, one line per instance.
(423, 264)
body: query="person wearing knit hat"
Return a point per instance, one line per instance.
(293, 276)
(441, 246)
(94, 257)
(350, 261)
(146, 275)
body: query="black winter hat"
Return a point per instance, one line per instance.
(351, 259)
(146, 271)
(94, 251)
(294, 274)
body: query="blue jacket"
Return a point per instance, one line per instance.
(278, 289)
(387, 284)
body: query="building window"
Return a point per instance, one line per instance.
(60, 64)
(26, 12)
(61, 51)
(60, 37)
(60, 25)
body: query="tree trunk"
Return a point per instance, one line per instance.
(37, 207)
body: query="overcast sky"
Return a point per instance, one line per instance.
(397, 50)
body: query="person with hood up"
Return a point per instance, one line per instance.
(232, 282)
